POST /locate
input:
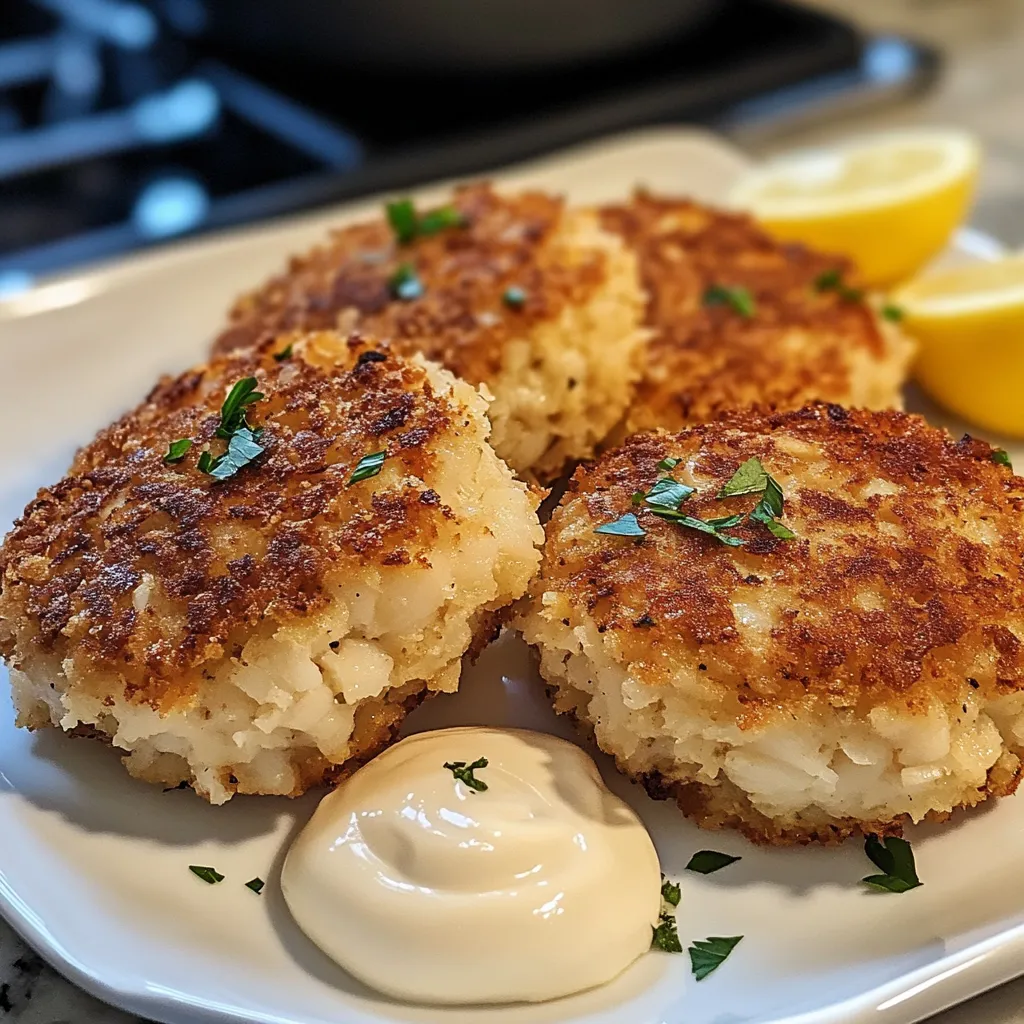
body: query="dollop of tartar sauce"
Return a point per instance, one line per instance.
(543, 884)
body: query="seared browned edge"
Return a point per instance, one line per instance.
(461, 320)
(69, 570)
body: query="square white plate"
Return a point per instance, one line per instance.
(94, 866)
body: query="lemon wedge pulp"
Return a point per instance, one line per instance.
(969, 322)
(890, 202)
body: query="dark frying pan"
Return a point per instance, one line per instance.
(448, 36)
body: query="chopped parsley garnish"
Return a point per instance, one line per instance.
(832, 281)
(999, 456)
(668, 463)
(514, 297)
(894, 857)
(407, 224)
(700, 525)
(707, 955)
(368, 465)
(893, 313)
(285, 353)
(235, 428)
(751, 478)
(256, 884)
(441, 219)
(404, 284)
(666, 493)
(209, 875)
(706, 862)
(177, 450)
(464, 773)
(665, 937)
(232, 412)
(671, 892)
(624, 526)
(403, 220)
(738, 298)
(242, 449)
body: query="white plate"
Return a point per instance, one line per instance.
(94, 866)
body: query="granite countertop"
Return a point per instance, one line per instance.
(983, 90)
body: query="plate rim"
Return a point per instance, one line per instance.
(929, 989)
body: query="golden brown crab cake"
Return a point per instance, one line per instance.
(269, 630)
(866, 672)
(804, 335)
(533, 300)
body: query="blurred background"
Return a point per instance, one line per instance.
(125, 123)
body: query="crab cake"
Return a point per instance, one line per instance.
(517, 293)
(834, 648)
(260, 618)
(740, 319)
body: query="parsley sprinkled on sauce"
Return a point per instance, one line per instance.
(177, 450)
(367, 466)
(707, 862)
(256, 884)
(285, 353)
(999, 456)
(514, 297)
(624, 526)
(404, 284)
(209, 875)
(464, 773)
(738, 298)
(707, 955)
(408, 225)
(893, 313)
(665, 937)
(671, 892)
(894, 857)
(832, 281)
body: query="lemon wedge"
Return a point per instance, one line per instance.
(890, 202)
(969, 322)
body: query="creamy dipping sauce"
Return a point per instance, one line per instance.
(543, 884)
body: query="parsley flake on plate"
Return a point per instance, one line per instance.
(177, 450)
(738, 299)
(665, 937)
(894, 857)
(367, 466)
(256, 884)
(707, 955)
(464, 773)
(707, 862)
(209, 875)
(671, 892)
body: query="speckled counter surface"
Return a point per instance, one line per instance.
(983, 90)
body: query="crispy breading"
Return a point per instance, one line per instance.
(571, 330)
(269, 630)
(898, 606)
(802, 343)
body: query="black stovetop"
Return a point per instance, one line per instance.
(119, 133)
